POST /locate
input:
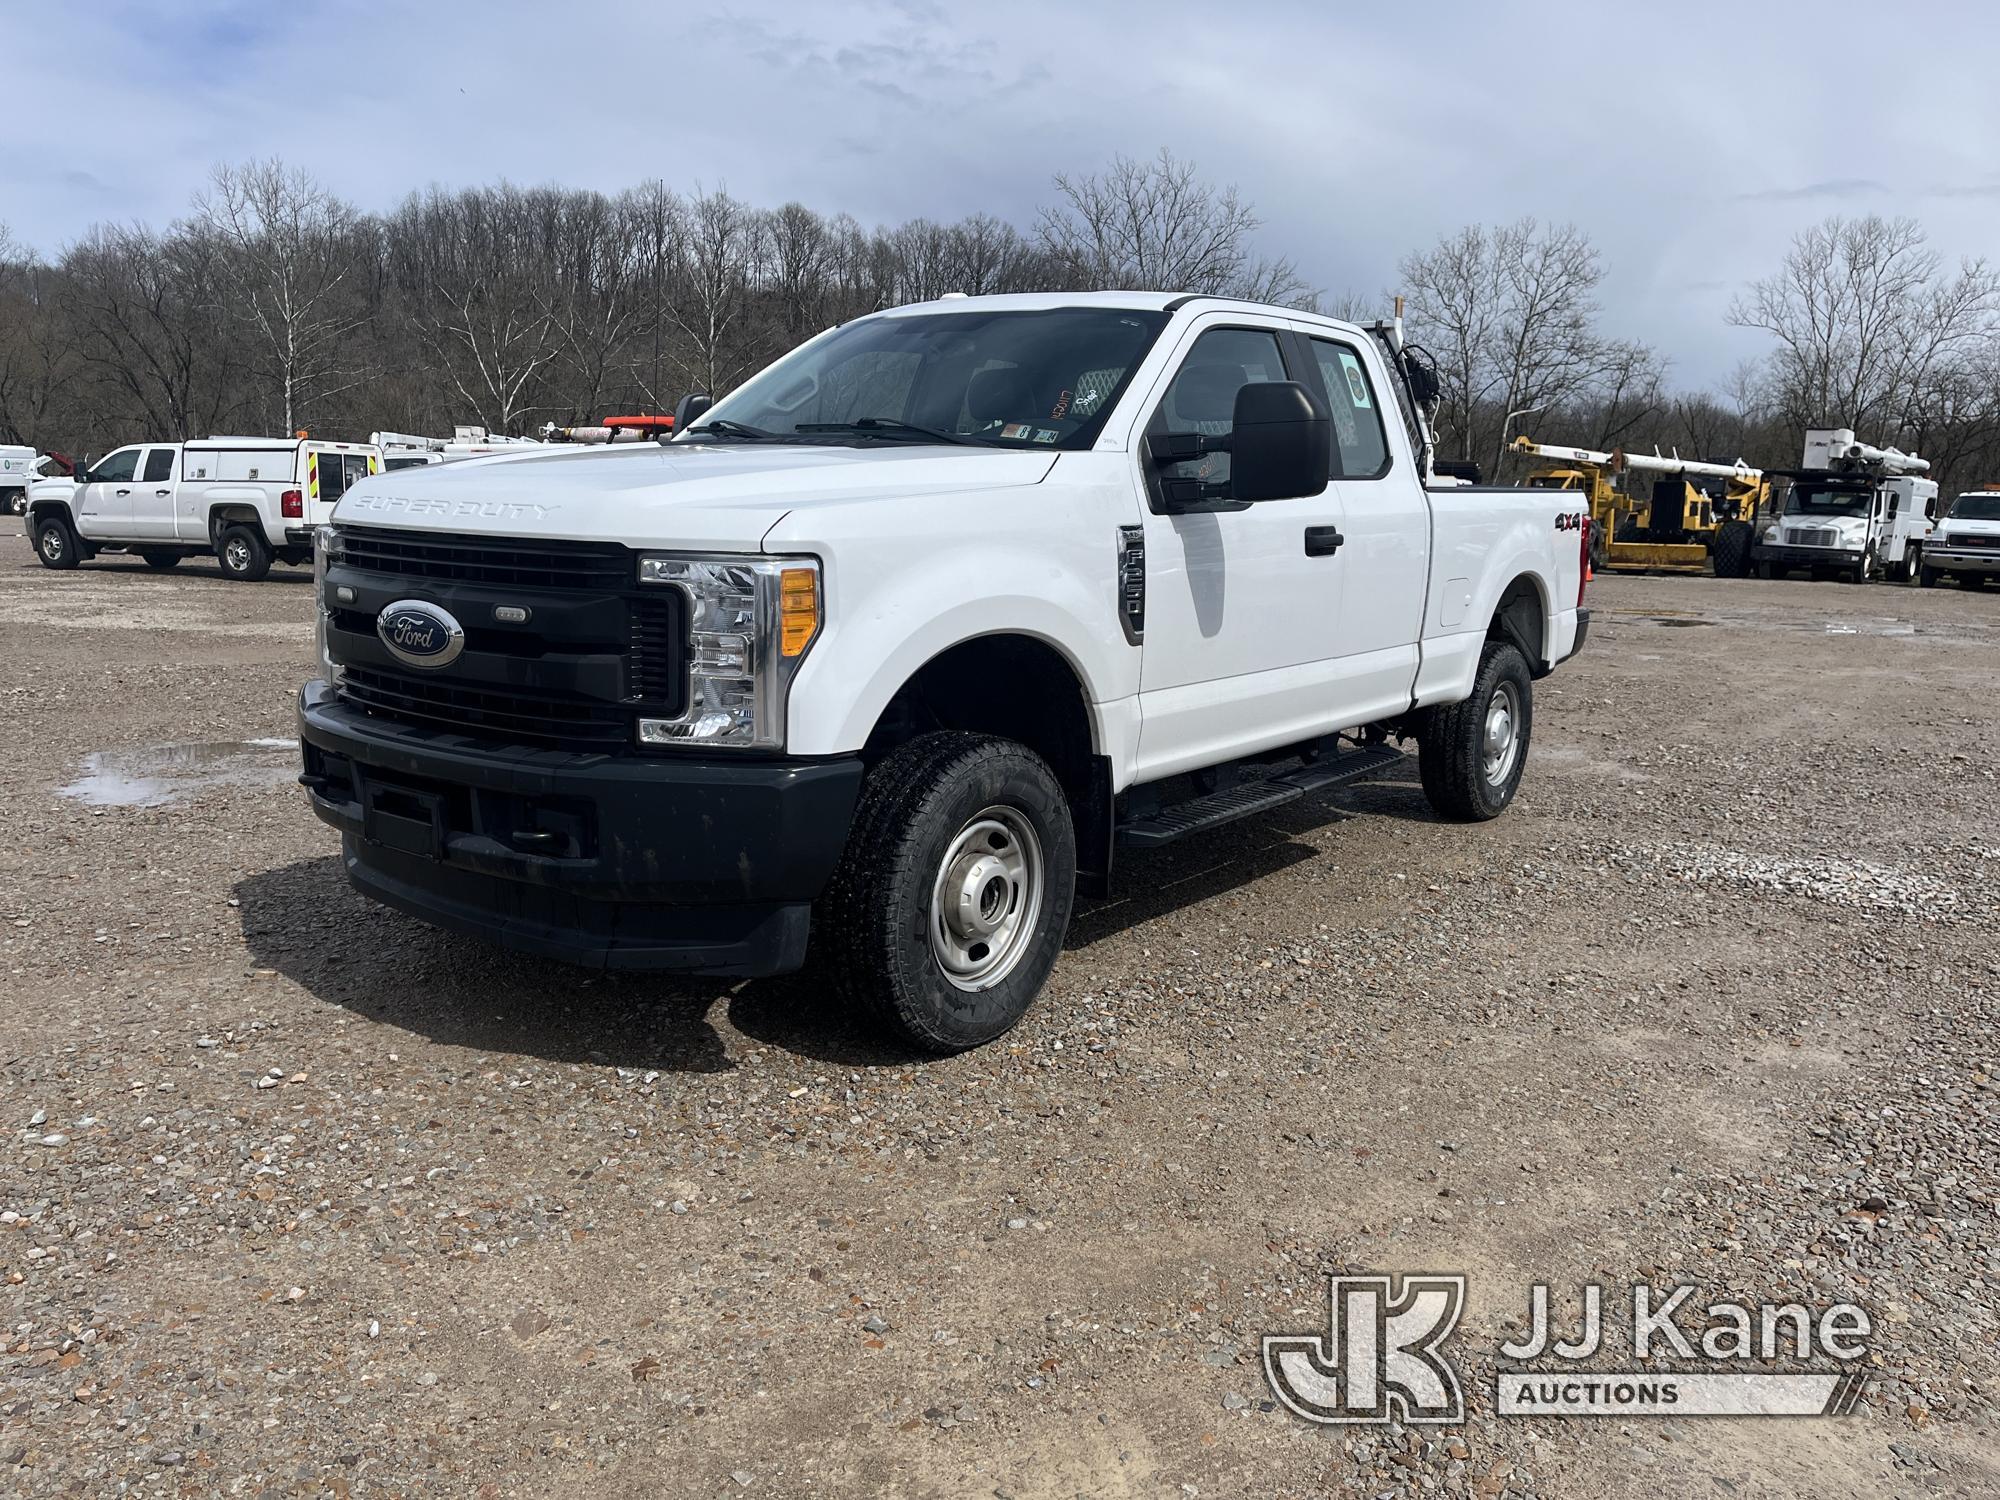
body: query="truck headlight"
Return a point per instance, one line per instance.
(327, 549)
(750, 623)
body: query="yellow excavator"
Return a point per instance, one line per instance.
(1697, 515)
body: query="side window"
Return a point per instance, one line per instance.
(354, 467)
(1202, 397)
(118, 468)
(159, 465)
(1360, 450)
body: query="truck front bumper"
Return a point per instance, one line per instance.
(608, 861)
(1983, 560)
(1803, 557)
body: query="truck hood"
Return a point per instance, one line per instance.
(1953, 529)
(724, 496)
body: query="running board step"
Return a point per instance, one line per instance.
(1248, 798)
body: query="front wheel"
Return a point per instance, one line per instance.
(1471, 754)
(948, 910)
(1863, 571)
(1732, 549)
(1927, 578)
(55, 544)
(245, 556)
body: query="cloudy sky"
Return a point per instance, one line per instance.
(1691, 140)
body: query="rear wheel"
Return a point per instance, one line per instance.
(1600, 550)
(245, 556)
(55, 543)
(160, 562)
(949, 907)
(1732, 550)
(1471, 754)
(1927, 578)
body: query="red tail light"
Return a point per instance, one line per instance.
(1583, 559)
(293, 505)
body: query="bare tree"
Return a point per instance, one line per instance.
(474, 267)
(1865, 316)
(290, 256)
(1509, 313)
(709, 300)
(1157, 225)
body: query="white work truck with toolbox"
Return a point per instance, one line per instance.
(250, 501)
(894, 650)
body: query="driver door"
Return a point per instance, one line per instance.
(103, 496)
(1241, 617)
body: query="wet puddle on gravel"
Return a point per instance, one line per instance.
(156, 774)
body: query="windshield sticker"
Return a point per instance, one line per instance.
(1047, 435)
(1016, 430)
(1357, 383)
(1061, 408)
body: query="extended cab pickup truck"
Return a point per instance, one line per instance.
(899, 645)
(247, 500)
(1967, 543)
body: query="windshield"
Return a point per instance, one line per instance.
(1005, 379)
(1827, 502)
(1980, 507)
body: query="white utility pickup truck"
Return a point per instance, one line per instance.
(895, 649)
(1967, 543)
(248, 500)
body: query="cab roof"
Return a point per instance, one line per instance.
(1134, 301)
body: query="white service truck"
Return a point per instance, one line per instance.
(896, 647)
(18, 468)
(1854, 510)
(1966, 545)
(250, 501)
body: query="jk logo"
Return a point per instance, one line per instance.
(1379, 1358)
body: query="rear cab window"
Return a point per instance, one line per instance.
(159, 465)
(1360, 445)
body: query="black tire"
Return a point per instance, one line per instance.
(17, 504)
(876, 921)
(1452, 740)
(1927, 578)
(1600, 550)
(161, 562)
(1732, 549)
(244, 554)
(1973, 581)
(1865, 570)
(56, 544)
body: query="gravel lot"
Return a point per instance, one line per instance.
(299, 1196)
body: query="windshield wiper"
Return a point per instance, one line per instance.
(888, 427)
(723, 427)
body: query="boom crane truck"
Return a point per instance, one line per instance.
(1855, 510)
(1696, 512)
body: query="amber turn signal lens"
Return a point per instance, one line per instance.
(798, 610)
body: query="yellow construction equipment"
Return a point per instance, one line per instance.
(1696, 512)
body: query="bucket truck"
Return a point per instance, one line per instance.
(1695, 511)
(402, 450)
(1854, 509)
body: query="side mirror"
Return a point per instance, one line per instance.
(690, 408)
(1282, 443)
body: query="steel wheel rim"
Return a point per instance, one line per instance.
(986, 902)
(1500, 745)
(236, 553)
(52, 544)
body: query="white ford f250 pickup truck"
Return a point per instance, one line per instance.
(899, 644)
(248, 500)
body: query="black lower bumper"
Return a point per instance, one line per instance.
(625, 862)
(1803, 557)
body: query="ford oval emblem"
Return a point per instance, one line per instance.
(419, 634)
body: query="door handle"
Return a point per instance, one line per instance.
(124, 492)
(1323, 541)
(163, 492)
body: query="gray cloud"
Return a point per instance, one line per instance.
(1834, 188)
